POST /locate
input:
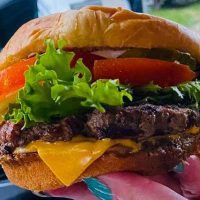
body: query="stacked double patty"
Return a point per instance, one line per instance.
(167, 132)
(153, 126)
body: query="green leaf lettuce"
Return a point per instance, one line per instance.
(54, 89)
(184, 94)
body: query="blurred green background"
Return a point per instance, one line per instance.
(188, 15)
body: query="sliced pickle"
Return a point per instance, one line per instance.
(161, 54)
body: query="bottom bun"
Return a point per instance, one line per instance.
(28, 171)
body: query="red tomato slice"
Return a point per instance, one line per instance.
(12, 78)
(141, 71)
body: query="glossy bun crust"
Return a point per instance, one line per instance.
(96, 26)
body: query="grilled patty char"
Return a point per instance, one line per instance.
(13, 135)
(135, 122)
(140, 122)
(158, 155)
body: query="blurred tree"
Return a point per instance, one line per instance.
(158, 3)
(178, 2)
(136, 5)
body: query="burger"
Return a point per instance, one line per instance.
(101, 103)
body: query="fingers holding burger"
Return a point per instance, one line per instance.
(96, 91)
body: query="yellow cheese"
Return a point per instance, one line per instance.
(68, 160)
(194, 130)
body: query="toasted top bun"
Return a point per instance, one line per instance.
(96, 26)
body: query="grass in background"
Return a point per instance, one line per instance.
(188, 16)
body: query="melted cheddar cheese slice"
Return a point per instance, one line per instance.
(68, 160)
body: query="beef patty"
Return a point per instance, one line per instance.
(156, 156)
(134, 122)
(140, 122)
